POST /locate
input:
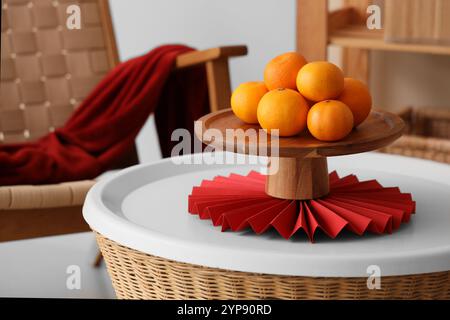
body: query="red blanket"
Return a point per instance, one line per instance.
(104, 126)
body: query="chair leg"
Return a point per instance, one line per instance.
(98, 260)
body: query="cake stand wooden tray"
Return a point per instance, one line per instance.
(301, 161)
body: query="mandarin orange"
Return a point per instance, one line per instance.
(245, 99)
(357, 97)
(281, 71)
(330, 120)
(283, 109)
(320, 80)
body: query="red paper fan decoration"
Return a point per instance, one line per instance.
(238, 202)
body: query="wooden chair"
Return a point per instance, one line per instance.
(46, 71)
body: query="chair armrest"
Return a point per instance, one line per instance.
(217, 71)
(59, 195)
(202, 56)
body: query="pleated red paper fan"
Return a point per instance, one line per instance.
(238, 202)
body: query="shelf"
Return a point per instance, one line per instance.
(358, 36)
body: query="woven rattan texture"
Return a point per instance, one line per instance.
(67, 194)
(47, 69)
(427, 136)
(136, 275)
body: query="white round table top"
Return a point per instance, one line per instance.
(145, 208)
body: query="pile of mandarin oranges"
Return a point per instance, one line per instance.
(296, 95)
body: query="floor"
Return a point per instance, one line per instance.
(53, 267)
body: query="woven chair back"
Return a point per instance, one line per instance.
(47, 68)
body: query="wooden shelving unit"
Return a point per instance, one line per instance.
(317, 28)
(358, 36)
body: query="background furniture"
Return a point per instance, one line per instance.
(346, 27)
(154, 249)
(46, 71)
(417, 21)
(427, 134)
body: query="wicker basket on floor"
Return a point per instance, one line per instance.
(136, 275)
(427, 135)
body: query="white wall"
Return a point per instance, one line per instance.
(267, 27)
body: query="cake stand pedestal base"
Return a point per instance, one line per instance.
(298, 178)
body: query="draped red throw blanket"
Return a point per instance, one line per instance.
(105, 125)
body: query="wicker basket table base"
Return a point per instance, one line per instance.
(154, 277)
(144, 264)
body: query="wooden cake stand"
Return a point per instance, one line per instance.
(302, 171)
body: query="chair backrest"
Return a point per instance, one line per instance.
(47, 69)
